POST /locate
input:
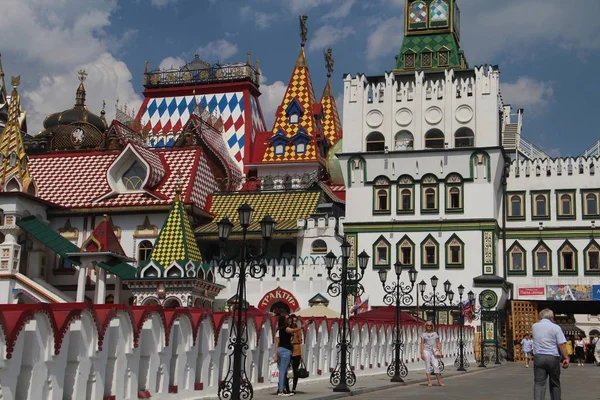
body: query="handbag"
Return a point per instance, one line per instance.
(273, 373)
(437, 353)
(290, 372)
(302, 371)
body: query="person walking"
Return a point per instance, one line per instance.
(431, 350)
(283, 355)
(296, 353)
(570, 350)
(527, 345)
(579, 350)
(549, 345)
(596, 343)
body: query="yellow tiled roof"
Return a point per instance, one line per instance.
(176, 241)
(301, 89)
(284, 207)
(332, 128)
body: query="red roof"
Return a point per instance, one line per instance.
(79, 180)
(385, 314)
(103, 238)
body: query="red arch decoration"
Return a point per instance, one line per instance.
(276, 295)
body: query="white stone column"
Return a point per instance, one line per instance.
(117, 291)
(81, 278)
(100, 285)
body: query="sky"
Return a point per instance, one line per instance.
(548, 56)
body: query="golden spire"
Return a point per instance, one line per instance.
(2, 75)
(80, 96)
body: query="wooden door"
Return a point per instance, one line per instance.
(523, 314)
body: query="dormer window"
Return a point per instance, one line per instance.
(279, 141)
(300, 140)
(300, 148)
(426, 59)
(294, 111)
(134, 177)
(294, 118)
(279, 149)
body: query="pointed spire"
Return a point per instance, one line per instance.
(303, 29)
(80, 96)
(332, 128)
(2, 77)
(103, 239)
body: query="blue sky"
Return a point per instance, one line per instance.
(547, 54)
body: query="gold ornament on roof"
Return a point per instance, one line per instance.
(329, 61)
(82, 75)
(15, 81)
(303, 29)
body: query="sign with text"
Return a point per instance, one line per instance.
(596, 292)
(569, 292)
(532, 293)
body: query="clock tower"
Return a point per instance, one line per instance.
(431, 36)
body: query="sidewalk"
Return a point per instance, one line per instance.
(322, 390)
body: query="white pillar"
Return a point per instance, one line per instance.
(117, 292)
(100, 285)
(81, 278)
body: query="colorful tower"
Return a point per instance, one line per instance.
(228, 91)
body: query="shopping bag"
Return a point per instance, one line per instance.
(290, 372)
(273, 373)
(302, 371)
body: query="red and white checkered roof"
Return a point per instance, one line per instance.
(79, 180)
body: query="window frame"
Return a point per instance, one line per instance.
(434, 131)
(561, 271)
(464, 131)
(139, 248)
(560, 193)
(405, 242)
(439, 53)
(382, 184)
(534, 252)
(454, 181)
(297, 117)
(534, 194)
(405, 182)
(593, 245)
(509, 196)
(380, 141)
(428, 52)
(277, 152)
(312, 247)
(430, 240)
(381, 241)
(451, 242)
(509, 262)
(584, 209)
(427, 183)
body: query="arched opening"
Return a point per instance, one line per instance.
(375, 142)
(210, 277)
(150, 302)
(319, 247)
(134, 176)
(464, 137)
(287, 250)
(434, 139)
(172, 303)
(280, 307)
(403, 141)
(174, 272)
(13, 186)
(144, 250)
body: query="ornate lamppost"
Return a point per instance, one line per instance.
(248, 261)
(398, 293)
(434, 298)
(461, 363)
(342, 376)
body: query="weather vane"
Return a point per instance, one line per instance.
(82, 75)
(303, 29)
(15, 80)
(329, 61)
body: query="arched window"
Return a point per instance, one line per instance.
(319, 247)
(417, 12)
(592, 258)
(382, 200)
(567, 259)
(144, 250)
(434, 139)
(542, 260)
(429, 253)
(591, 204)
(516, 260)
(134, 176)
(565, 208)
(464, 137)
(294, 118)
(381, 196)
(403, 141)
(406, 200)
(406, 249)
(541, 205)
(454, 252)
(279, 150)
(429, 194)
(438, 13)
(375, 142)
(516, 206)
(454, 187)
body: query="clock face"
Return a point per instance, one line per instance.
(488, 299)
(77, 136)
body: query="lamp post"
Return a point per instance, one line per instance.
(434, 298)
(342, 376)
(497, 342)
(461, 363)
(397, 293)
(248, 261)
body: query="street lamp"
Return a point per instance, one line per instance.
(397, 293)
(461, 363)
(248, 261)
(342, 376)
(434, 298)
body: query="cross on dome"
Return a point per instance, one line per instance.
(82, 75)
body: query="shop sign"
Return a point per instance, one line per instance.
(596, 292)
(532, 293)
(569, 292)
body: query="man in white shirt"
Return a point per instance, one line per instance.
(549, 345)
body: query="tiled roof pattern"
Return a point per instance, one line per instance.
(103, 238)
(157, 169)
(332, 128)
(78, 180)
(285, 208)
(299, 88)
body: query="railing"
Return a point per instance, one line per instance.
(593, 151)
(529, 150)
(212, 74)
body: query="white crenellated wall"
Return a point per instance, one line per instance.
(132, 356)
(446, 100)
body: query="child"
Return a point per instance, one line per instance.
(527, 345)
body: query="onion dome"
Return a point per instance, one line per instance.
(78, 114)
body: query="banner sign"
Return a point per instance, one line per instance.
(569, 292)
(532, 293)
(596, 292)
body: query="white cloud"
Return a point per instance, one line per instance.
(528, 92)
(262, 19)
(219, 50)
(327, 35)
(297, 6)
(171, 62)
(386, 38)
(108, 79)
(341, 11)
(271, 98)
(162, 3)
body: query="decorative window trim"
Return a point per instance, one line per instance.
(352, 162)
(445, 50)
(430, 182)
(481, 157)
(405, 242)
(429, 239)
(584, 210)
(559, 194)
(509, 197)
(318, 250)
(379, 243)
(139, 246)
(294, 109)
(464, 133)
(405, 182)
(455, 181)
(146, 230)
(533, 194)
(567, 246)
(410, 60)
(426, 58)
(536, 271)
(378, 141)
(453, 241)
(511, 271)
(434, 131)
(594, 246)
(381, 184)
